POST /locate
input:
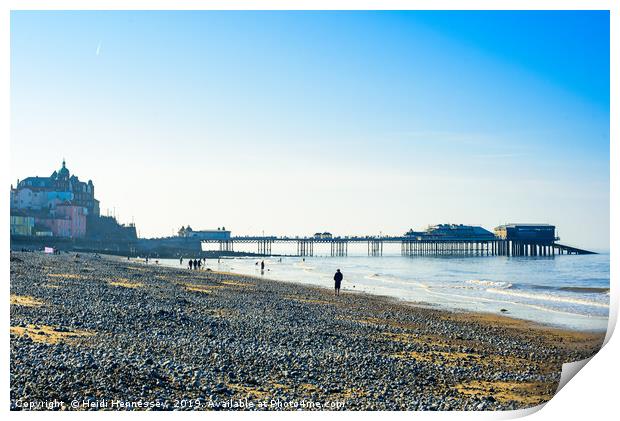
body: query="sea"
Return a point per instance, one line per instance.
(567, 291)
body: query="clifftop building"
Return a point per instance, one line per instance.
(45, 193)
(58, 205)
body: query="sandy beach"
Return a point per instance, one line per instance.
(95, 332)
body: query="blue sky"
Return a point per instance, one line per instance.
(295, 122)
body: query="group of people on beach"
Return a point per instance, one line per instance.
(194, 264)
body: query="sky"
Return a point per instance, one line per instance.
(289, 123)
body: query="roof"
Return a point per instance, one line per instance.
(35, 182)
(457, 231)
(525, 225)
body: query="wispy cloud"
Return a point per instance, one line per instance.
(500, 155)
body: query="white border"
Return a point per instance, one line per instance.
(592, 394)
(312, 5)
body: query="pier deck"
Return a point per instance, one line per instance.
(410, 246)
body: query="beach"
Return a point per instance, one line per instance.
(568, 291)
(99, 332)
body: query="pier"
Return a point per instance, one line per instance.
(418, 246)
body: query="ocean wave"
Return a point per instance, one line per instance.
(383, 277)
(468, 299)
(546, 287)
(547, 297)
(395, 280)
(496, 284)
(593, 290)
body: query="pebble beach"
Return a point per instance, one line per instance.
(95, 332)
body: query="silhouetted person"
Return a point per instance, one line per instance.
(337, 282)
(195, 264)
(199, 263)
(181, 261)
(191, 264)
(262, 265)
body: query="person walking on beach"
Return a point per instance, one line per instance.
(337, 282)
(181, 261)
(262, 265)
(191, 264)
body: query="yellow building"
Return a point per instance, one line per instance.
(22, 225)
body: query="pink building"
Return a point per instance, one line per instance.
(68, 221)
